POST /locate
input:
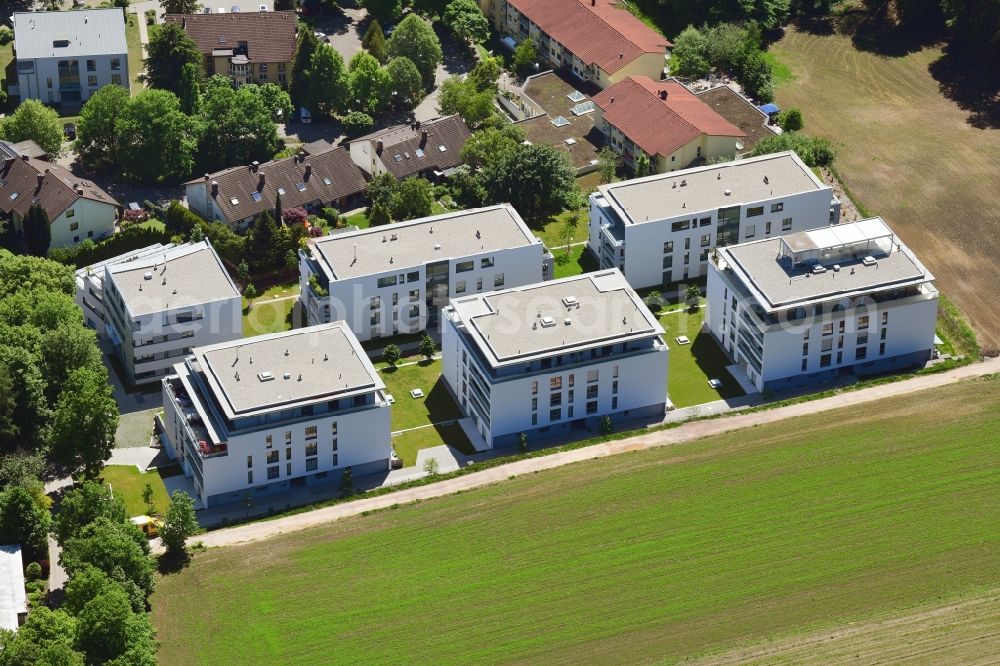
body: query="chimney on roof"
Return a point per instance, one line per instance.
(621, 55)
(593, 3)
(260, 182)
(41, 177)
(663, 94)
(215, 188)
(378, 147)
(254, 166)
(24, 157)
(184, 22)
(612, 99)
(423, 138)
(207, 177)
(309, 170)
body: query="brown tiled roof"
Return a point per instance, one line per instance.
(270, 36)
(599, 34)
(57, 190)
(405, 140)
(660, 126)
(242, 183)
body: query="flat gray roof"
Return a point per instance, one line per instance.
(416, 242)
(182, 276)
(12, 597)
(83, 32)
(779, 284)
(322, 363)
(518, 324)
(705, 188)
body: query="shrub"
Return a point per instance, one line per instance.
(33, 571)
(356, 123)
(296, 215)
(133, 215)
(6, 35)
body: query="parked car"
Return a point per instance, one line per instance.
(321, 36)
(150, 526)
(220, 10)
(235, 9)
(69, 129)
(263, 8)
(304, 116)
(206, 10)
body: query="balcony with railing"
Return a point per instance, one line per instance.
(200, 442)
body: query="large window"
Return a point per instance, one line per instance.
(273, 472)
(272, 457)
(755, 211)
(310, 432)
(498, 280)
(387, 281)
(311, 449)
(683, 225)
(464, 266)
(486, 262)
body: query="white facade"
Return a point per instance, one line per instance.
(85, 218)
(323, 410)
(860, 304)
(523, 361)
(160, 306)
(13, 600)
(393, 280)
(662, 228)
(68, 56)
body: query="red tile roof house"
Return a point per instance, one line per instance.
(594, 39)
(77, 208)
(237, 195)
(664, 120)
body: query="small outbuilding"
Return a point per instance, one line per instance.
(13, 600)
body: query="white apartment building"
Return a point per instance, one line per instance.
(803, 308)
(90, 285)
(65, 57)
(263, 415)
(160, 306)
(554, 357)
(394, 279)
(661, 229)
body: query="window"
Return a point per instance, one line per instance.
(885, 318)
(614, 386)
(334, 443)
(767, 228)
(272, 457)
(498, 280)
(555, 384)
(777, 207)
(460, 287)
(805, 364)
(249, 478)
(288, 436)
(333, 428)
(683, 225)
(534, 404)
(310, 432)
(881, 349)
(413, 312)
(387, 281)
(262, 67)
(569, 398)
(805, 348)
(555, 399)
(91, 65)
(706, 239)
(755, 211)
(592, 376)
(687, 243)
(249, 461)
(267, 440)
(395, 298)
(572, 377)
(288, 469)
(592, 391)
(827, 345)
(375, 303)
(882, 334)
(486, 262)
(311, 448)
(334, 459)
(288, 453)
(311, 464)
(668, 261)
(116, 64)
(863, 323)
(704, 222)
(116, 79)
(534, 388)
(828, 328)
(273, 472)
(414, 294)
(48, 81)
(824, 361)
(413, 277)
(73, 226)
(786, 224)
(668, 247)
(614, 371)
(555, 414)
(592, 407)
(860, 353)
(687, 260)
(92, 80)
(862, 339)
(464, 266)
(479, 284)
(534, 419)
(614, 403)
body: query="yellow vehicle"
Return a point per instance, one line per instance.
(150, 526)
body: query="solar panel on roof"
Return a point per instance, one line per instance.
(582, 108)
(559, 121)
(576, 96)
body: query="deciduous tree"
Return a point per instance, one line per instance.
(23, 520)
(84, 422)
(179, 523)
(489, 143)
(168, 51)
(83, 505)
(465, 19)
(538, 177)
(96, 131)
(329, 87)
(407, 86)
(525, 57)
(180, 6)
(427, 347)
(391, 354)
(413, 198)
(415, 39)
(371, 84)
(117, 548)
(237, 127)
(299, 86)
(107, 628)
(35, 121)
(156, 139)
(385, 11)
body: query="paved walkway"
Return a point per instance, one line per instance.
(142, 457)
(57, 575)
(687, 432)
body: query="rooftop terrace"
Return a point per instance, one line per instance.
(707, 188)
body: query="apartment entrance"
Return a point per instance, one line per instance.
(436, 290)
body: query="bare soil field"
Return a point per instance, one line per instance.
(911, 154)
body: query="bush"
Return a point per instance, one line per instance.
(33, 571)
(356, 123)
(790, 120)
(296, 215)
(814, 151)
(6, 35)
(128, 239)
(132, 215)
(150, 16)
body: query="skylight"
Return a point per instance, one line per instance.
(14, 195)
(419, 152)
(442, 148)
(301, 187)
(582, 108)
(234, 201)
(281, 190)
(327, 181)
(398, 158)
(559, 121)
(576, 96)
(255, 195)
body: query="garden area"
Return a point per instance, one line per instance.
(271, 311)
(693, 364)
(130, 483)
(134, 43)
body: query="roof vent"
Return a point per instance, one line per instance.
(570, 301)
(437, 246)
(567, 321)
(393, 237)
(147, 275)
(819, 269)
(287, 375)
(728, 192)
(684, 182)
(265, 376)
(286, 352)
(836, 268)
(869, 261)
(548, 322)
(766, 181)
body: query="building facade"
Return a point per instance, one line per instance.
(556, 357)
(65, 57)
(805, 308)
(596, 40)
(394, 280)
(248, 47)
(160, 306)
(661, 229)
(276, 411)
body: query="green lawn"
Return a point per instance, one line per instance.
(6, 60)
(359, 220)
(692, 365)
(550, 228)
(408, 443)
(134, 43)
(130, 482)
(655, 556)
(780, 72)
(436, 405)
(268, 316)
(578, 261)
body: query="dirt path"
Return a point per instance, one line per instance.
(965, 631)
(690, 431)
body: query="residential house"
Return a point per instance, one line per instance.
(811, 306)
(77, 208)
(157, 307)
(395, 279)
(551, 358)
(661, 229)
(595, 39)
(740, 111)
(263, 415)
(248, 47)
(665, 122)
(65, 57)
(238, 194)
(429, 149)
(13, 599)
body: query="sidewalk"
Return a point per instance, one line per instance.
(686, 432)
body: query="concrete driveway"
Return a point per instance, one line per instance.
(456, 61)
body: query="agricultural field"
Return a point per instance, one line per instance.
(910, 152)
(693, 550)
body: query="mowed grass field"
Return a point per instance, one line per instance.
(910, 155)
(692, 549)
